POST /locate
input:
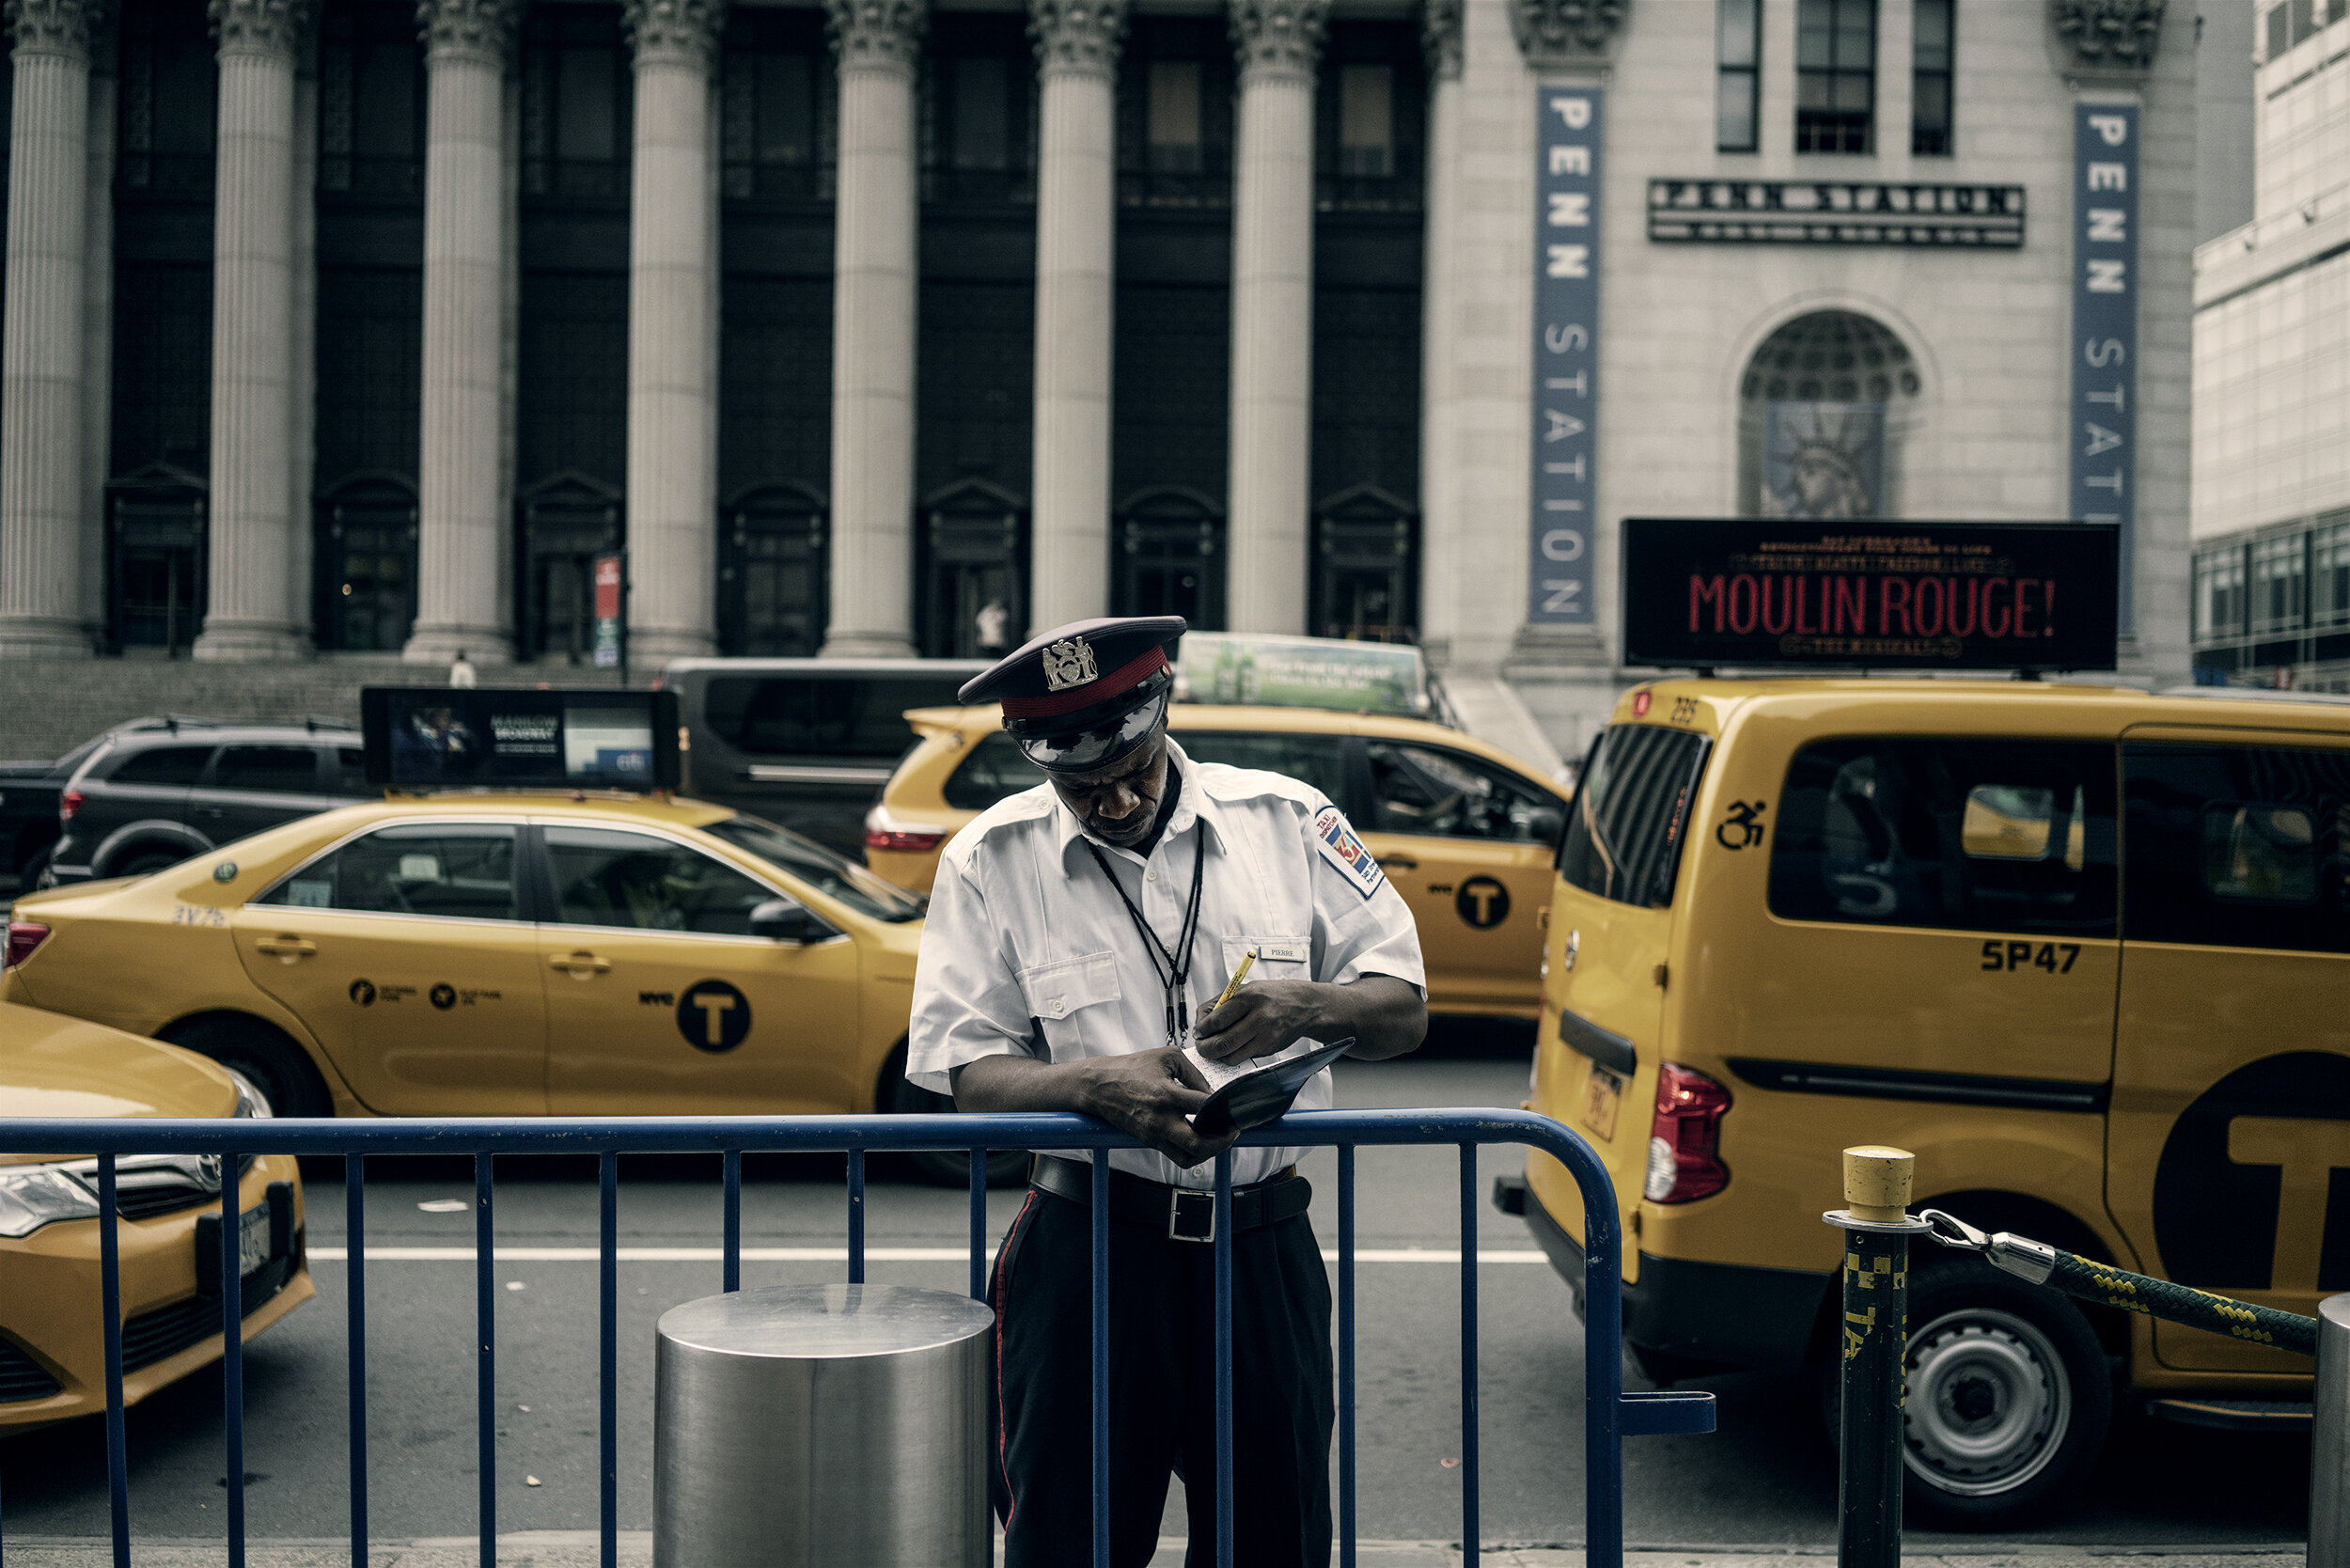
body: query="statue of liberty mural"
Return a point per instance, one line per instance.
(1823, 461)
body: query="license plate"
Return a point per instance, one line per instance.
(1601, 1093)
(252, 1243)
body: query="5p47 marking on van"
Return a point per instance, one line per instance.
(2013, 956)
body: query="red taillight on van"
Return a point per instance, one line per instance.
(1684, 1141)
(885, 832)
(23, 937)
(70, 803)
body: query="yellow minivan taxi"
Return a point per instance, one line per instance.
(2085, 951)
(504, 954)
(53, 1344)
(1463, 829)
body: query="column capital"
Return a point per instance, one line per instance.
(482, 31)
(674, 32)
(884, 33)
(1278, 40)
(67, 28)
(1567, 33)
(1078, 36)
(265, 28)
(1440, 24)
(2112, 37)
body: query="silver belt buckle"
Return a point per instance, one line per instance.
(1176, 1229)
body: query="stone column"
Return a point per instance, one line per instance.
(1278, 43)
(461, 516)
(302, 324)
(98, 334)
(40, 355)
(1441, 568)
(672, 393)
(252, 547)
(1076, 241)
(874, 276)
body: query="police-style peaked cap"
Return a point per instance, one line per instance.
(1082, 696)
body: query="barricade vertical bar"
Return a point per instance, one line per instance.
(608, 1359)
(730, 1271)
(979, 1225)
(1468, 1352)
(232, 1347)
(1100, 1212)
(1224, 1359)
(1346, 1356)
(110, 1303)
(355, 1330)
(1602, 1389)
(485, 1372)
(857, 1216)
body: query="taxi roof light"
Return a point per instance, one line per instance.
(23, 937)
(1684, 1140)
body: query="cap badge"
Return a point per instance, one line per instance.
(1069, 663)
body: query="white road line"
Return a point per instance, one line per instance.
(821, 1255)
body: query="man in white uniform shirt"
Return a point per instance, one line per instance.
(1077, 933)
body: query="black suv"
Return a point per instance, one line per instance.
(152, 798)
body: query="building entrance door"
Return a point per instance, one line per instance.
(976, 572)
(155, 569)
(1363, 568)
(1169, 558)
(367, 564)
(564, 524)
(774, 583)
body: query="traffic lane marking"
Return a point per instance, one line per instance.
(822, 1255)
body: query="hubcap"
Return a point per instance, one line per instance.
(1988, 1404)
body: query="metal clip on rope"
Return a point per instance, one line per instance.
(2075, 1275)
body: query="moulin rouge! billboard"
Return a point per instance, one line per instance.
(1707, 592)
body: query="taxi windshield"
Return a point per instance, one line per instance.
(833, 875)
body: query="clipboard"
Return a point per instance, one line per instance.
(1254, 1099)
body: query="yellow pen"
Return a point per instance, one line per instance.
(1248, 963)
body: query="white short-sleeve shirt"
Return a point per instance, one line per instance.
(1029, 950)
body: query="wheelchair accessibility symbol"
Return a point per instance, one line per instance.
(1742, 829)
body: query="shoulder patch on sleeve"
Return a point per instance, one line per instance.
(1345, 853)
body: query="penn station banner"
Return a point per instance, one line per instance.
(1566, 355)
(2104, 433)
(1867, 594)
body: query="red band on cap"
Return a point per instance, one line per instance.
(1126, 678)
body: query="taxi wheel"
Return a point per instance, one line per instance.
(949, 1167)
(262, 1054)
(2010, 1396)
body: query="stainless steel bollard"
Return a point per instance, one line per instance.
(821, 1424)
(2330, 1446)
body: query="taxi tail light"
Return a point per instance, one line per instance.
(70, 803)
(23, 937)
(1684, 1141)
(885, 832)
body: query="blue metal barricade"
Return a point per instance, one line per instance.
(1609, 1415)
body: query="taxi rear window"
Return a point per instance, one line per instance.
(1631, 813)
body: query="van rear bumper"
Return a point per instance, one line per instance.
(1683, 1318)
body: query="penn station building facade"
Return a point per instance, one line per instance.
(359, 329)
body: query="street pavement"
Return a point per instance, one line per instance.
(1763, 1483)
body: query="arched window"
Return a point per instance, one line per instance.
(1822, 413)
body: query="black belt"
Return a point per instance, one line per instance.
(1181, 1214)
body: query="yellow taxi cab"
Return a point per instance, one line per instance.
(2083, 951)
(1463, 829)
(52, 1351)
(507, 953)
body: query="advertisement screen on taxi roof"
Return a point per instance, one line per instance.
(432, 738)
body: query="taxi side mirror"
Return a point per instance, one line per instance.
(1545, 824)
(781, 920)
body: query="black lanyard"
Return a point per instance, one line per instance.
(1173, 969)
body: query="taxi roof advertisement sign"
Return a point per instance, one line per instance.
(1708, 592)
(485, 737)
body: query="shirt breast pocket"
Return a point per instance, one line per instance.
(1075, 1001)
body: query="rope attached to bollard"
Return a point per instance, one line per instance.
(2108, 1286)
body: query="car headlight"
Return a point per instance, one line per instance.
(37, 1195)
(251, 1102)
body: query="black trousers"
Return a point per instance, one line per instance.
(1162, 1378)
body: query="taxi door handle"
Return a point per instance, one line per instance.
(1402, 862)
(287, 948)
(579, 965)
